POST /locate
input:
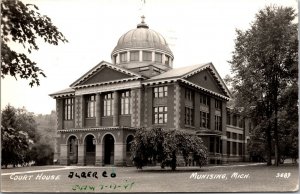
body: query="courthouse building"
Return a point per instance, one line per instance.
(100, 112)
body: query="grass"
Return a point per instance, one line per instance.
(151, 179)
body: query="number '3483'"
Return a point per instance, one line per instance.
(285, 175)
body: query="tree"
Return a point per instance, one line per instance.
(42, 154)
(14, 146)
(159, 145)
(21, 142)
(23, 24)
(264, 64)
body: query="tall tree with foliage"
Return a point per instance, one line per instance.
(22, 24)
(164, 146)
(21, 141)
(264, 64)
(14, 138)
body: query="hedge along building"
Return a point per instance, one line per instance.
(99, 113)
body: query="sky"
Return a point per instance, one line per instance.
(197, 31)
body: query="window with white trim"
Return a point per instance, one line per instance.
(204, 99)
(68, 108)
(90, 106)
(158, 57)
(189, 116)
(160, 92)
(107, 105)
(218, 123)
(134, 55)
(147, 56)
(204, 119)
(160, 115)
(123, 57)
(125, 103)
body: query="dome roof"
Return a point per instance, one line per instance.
(142, 38)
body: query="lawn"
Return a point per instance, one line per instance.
(128, 179)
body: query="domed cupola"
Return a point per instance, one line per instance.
(141, 47)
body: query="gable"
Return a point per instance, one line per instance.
(105, 74)
(205, 80)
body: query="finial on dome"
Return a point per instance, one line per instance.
(143, 19)
(142, 24)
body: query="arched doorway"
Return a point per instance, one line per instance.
(128, 147)
(90, 148)
(109, 147)
(72, 150)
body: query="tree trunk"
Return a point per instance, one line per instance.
(269, 146)
(277, 154)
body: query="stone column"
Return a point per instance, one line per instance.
(118, 59)
(98, 109)
(99, 154)
(153, 56)
(212, 112)
(128, 56)
(63, 159)
(224, 145)
(81, 154)
(163, 59)
(140, 55)
(120, 154)
(116, 108)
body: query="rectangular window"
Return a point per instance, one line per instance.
(228, 147)
(123, 57)
(189, 116)
(189, 94)
(125, 103)
(107, 105)
(218, 123)
(68, 108)
(240, 149)
(228, 135)
(204, 100)
(134, 55)
(160, 115)
(167, 60)
(160, 92)
(158, 57)
(204, 119)
(240, 137)
(90, 104)
(234, 148)
(234, 136)
(228, 118)
(241, 123)
(218, 104)
(234, 120)
(147, 56)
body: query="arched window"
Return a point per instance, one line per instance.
(128, 142)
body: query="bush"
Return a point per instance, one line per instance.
(159, 145)
(41, 154)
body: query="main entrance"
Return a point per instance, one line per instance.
(90, 149)
(109, 149)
